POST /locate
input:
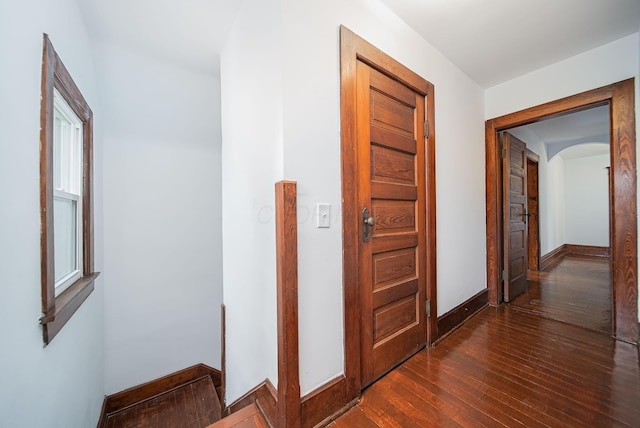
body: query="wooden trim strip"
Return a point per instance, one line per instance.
(223, 358)
(288, 405)
(324, 402)
(265, 394)
(587, 250)
(461, 313)
(118, 401)
(553, 257)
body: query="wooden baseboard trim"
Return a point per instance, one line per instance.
(267, 396)
(587, 250)
(223, 357)
(316, 409)
(553, 257)
(461, 313)
(324, 402)
(121, 400)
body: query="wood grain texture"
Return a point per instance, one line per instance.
(288, 405)
(249, 416)
(625, 233)
(194, 405)
(533, 222)
(620, 98)
(265, 395)
(587, 250)
(577, 291)
(505, 368)
(58, 310)
(553, 257)
(514, 194)
(352, 51)
(145, 391)
(461, 313)
(323, 403)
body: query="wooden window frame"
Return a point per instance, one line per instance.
(57, 310)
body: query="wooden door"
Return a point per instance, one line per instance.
(533, 222)
(391, 195)
(515, 216)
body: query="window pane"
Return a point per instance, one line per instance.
(65, 237)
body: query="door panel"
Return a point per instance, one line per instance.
(391, 185)
(533, 222)
(515, 221)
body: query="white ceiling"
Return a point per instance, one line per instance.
(185, 32)
(490, 40)
(571, 135)
(493, 41)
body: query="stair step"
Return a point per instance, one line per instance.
(194, 405)
(248, 417)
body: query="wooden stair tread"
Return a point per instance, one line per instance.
(248, 417)
(193, 405)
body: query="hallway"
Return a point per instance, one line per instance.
(576, 291)
(517, 365)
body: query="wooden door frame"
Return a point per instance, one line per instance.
(353, 49)
(624, 248)
(535, 159)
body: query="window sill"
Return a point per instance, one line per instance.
(66, 304)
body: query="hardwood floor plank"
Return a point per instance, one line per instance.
(186, 401)
(510, 366)
(481, 396)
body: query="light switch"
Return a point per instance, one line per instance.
(324, 215)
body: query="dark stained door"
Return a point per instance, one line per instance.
(533, 223)
(515, 216)
(391, 194)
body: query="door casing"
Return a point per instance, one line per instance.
(353, 49)
(624, 239)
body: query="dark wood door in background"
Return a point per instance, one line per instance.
(533, 223)
(392, 265)
(515, 216)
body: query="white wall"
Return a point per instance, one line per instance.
(62, 384)
(613, 62)
(587, 200)
(312, 157)
(162, 217)
(556, 208)
(251, 74)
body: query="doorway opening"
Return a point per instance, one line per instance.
(619, 98)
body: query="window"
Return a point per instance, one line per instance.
(66, 165)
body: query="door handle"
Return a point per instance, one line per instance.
(368, 222)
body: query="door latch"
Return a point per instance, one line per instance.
(368, 222)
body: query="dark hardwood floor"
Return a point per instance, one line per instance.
(576, 291)
(510, 368)
(546, 360)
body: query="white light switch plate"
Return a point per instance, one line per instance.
(324, 215)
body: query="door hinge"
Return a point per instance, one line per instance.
(426, 129)
(427, 309)
(504, 275)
